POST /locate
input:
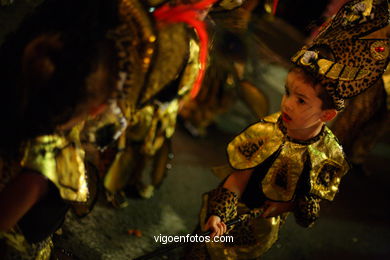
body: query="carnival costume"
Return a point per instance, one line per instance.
(285, 169)
(163, 49)
(60, 159)
(357, 38)
(32, 142)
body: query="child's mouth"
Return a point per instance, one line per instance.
(286, 118)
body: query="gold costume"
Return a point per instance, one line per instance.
(169, 55)
(321, 156)
(252, 238)
(350, 56)
(60, 158)
(300, 173)
(261, 140)
(357, 61)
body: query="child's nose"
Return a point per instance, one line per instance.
(286, 103)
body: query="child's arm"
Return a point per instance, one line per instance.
(231, 190)
(19, 196)
(237, 181)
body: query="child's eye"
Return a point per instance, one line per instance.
(301, 101)
(286, 90)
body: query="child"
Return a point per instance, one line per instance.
(290, 161)
(56, 70)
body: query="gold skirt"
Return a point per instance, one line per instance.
(251, 239)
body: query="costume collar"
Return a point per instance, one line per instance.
(323, 153)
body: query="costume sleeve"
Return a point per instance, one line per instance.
(307, 210)
(222, 203)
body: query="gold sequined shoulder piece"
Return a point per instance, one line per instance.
(61, 160)
(255, 144)
(273, 118)
(328, 165)
(282, 177)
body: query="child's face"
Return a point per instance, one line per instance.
(301, 107)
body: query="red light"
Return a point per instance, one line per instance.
(380, 49)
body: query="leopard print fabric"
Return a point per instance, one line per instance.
(243, 234)
(360, 61)
(345, 52)
(222, 203)
(340, 27)
(307, 210)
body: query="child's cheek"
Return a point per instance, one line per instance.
(309, 116)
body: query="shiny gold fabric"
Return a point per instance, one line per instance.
(118, 174)
(154, 122)
(19, 248)
(282, 178)
(61, 160)
(140, 123)
(170, 59)
(153, 56)
(334, 70)
(192, 68)
(244, 151)
(260, 140)
(328, 165)
(263, 232)
(162, 127)
(150, 127)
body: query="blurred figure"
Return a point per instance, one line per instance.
(225, 79)
(57, 70)
(165, 61)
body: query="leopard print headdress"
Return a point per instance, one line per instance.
(343, 55)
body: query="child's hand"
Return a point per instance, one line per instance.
(273, 208)
(215, 224)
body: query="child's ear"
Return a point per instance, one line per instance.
(328, 115)
(37, 61)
